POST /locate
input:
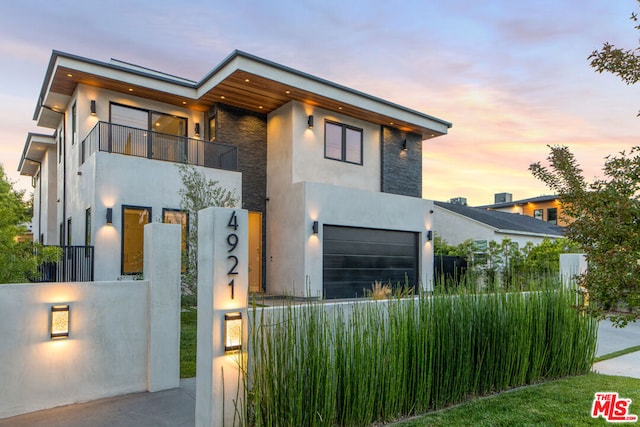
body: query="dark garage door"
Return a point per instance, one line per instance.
(354, 258)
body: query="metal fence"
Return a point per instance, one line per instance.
(75, 265)
(130, 141)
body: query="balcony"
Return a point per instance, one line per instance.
(129, 141)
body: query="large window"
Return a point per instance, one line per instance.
(167, 141)
(552, 215)
(74, 124)
(342, 142)
(133, 220)
(174, 216)
(87, 227)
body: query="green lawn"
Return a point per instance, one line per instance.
(188, 335)
(564, 402)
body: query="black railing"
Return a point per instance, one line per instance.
(130, 141)
(75, 265)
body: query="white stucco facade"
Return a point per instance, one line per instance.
(301, 184)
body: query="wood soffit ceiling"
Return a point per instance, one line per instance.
(241, 89)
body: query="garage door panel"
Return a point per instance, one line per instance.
(354, 258)
(386, 249)
(367, 261)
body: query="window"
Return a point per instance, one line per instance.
(165, 142)
(212, 129)
(87, 227)
(552, 215)
(537, 214)
(342, 142)
(60, 142)
(174, 216)
(69, 232)
(74, 124)
(480, 248)
(133, 220)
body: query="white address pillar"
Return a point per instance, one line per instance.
(222, 289)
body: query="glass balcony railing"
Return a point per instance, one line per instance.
(130, 141)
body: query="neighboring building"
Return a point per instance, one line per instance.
(331, 177)
(457, 223)
(545, 208)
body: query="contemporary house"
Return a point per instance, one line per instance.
(331, 177)
(456, 223)
(545, 208)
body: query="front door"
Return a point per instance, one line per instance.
(255, 251)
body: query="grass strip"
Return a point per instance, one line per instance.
(616, 354)
(562, 402)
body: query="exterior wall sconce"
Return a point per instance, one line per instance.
(310, 122)
(196, 129)
(109, 215)
(429, 235)
(93, 107)
(315, 227)
(232, 332)
(404, 145)
(59, 326)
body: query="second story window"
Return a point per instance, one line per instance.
(342, 142)
(552, 215)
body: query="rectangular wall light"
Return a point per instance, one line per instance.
(109, 215)
(59, 326)
(232, 332)
(93, 107)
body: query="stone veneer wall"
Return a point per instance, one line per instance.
(248, 131)
(401, 171)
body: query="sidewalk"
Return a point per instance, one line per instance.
(176, 407)
(612, 339)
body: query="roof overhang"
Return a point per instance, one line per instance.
(241, 80)
(34, 150)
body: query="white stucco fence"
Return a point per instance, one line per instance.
(124, 336)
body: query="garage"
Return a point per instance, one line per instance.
(353, 258)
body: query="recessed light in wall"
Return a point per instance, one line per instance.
(287, 92)
(221, 96)
(260, 107)
(232, 332)
(130, 89)
(69, 75)
(59, 322)
(247, 80)
(391, 123)
(184, 102)
(339, 108)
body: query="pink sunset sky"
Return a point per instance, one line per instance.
(512, 76)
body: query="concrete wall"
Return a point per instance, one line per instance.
(112, 180)
(309, 163)
(124, 335)
(296, 256)
(44, 219)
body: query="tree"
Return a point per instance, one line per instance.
(197, 193)
(18, 259)
(606, 225)
(625, 63)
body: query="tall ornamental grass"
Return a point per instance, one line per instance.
(359, 363)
